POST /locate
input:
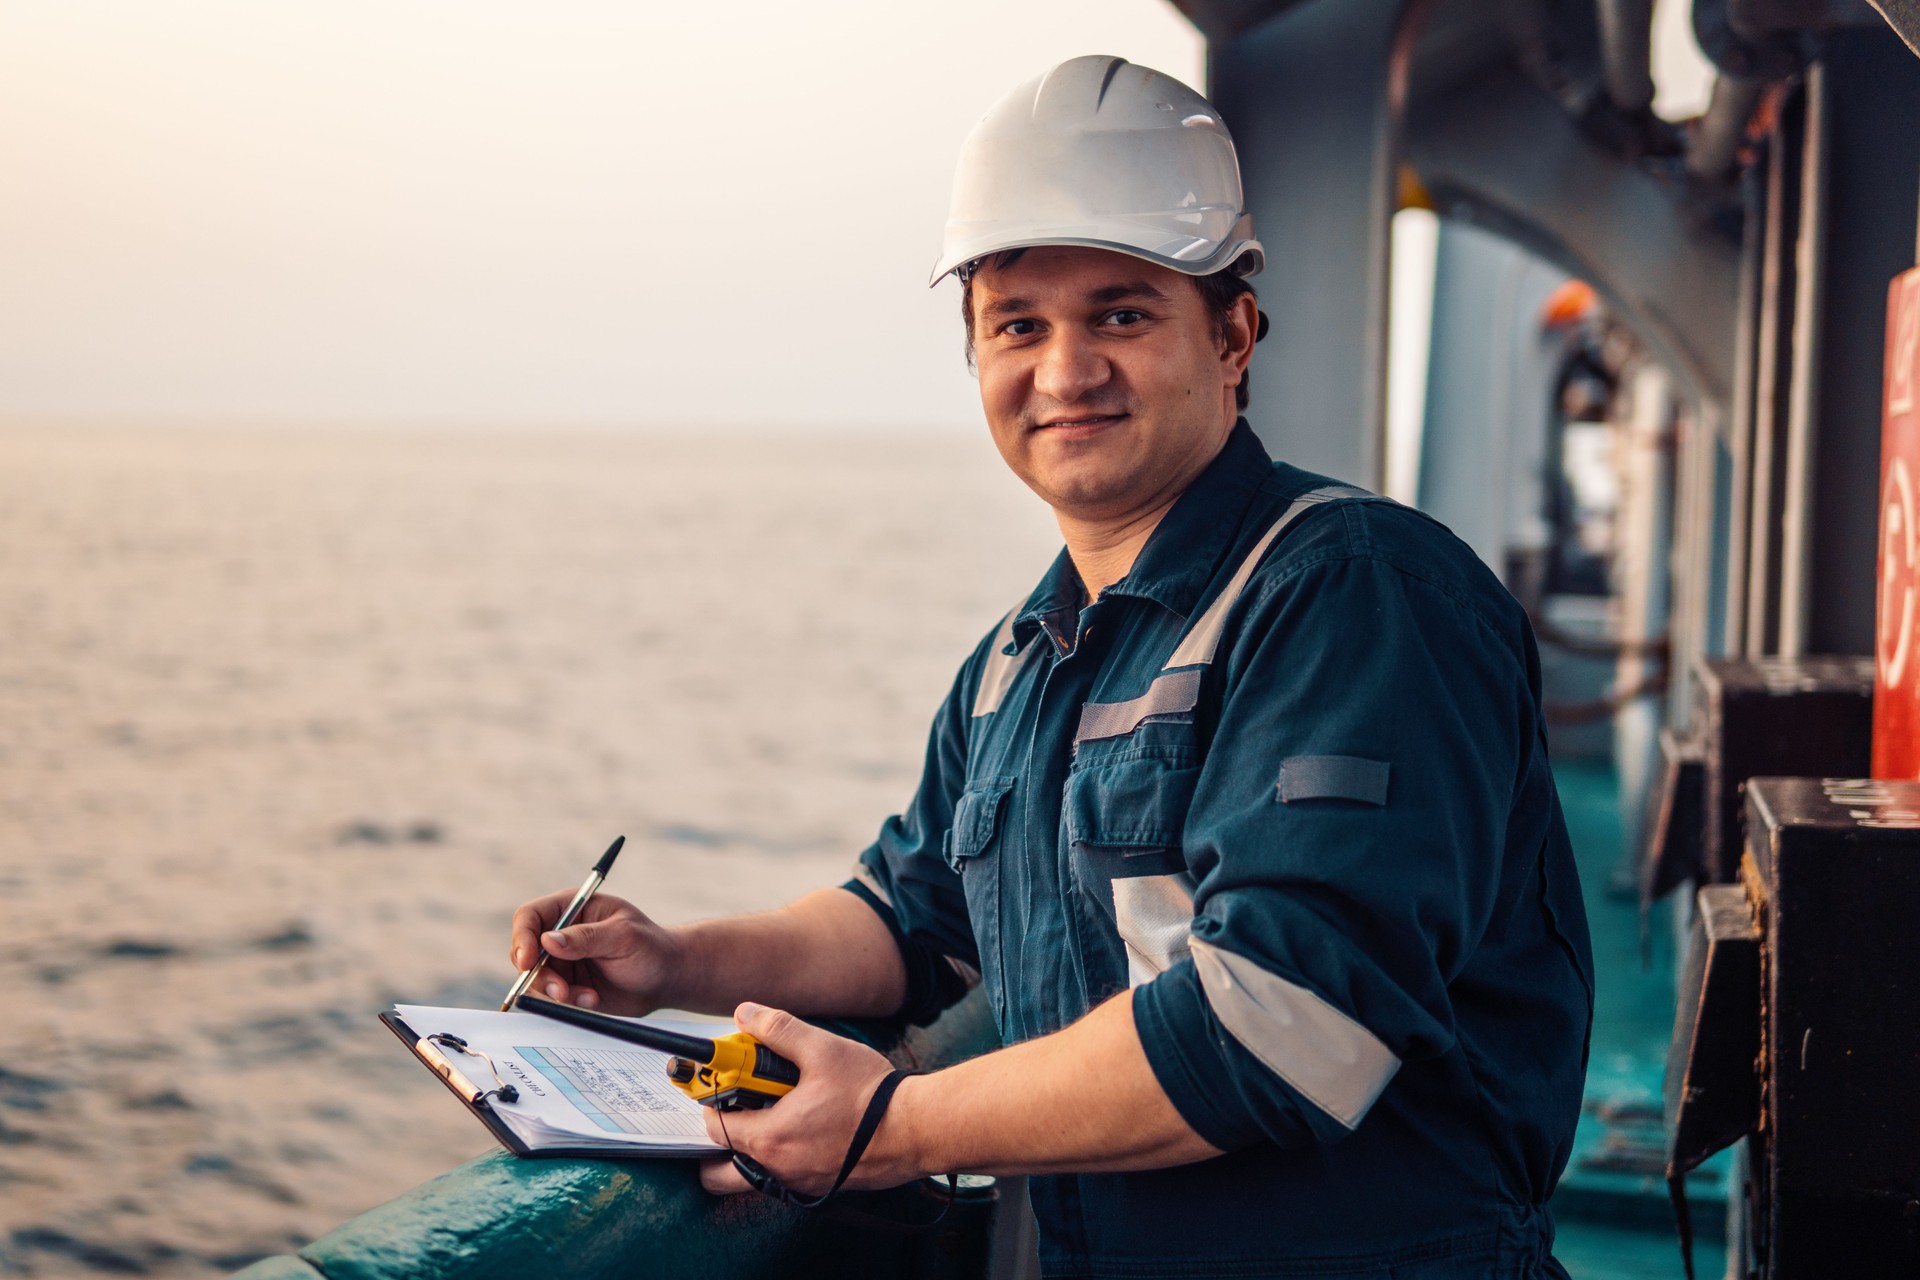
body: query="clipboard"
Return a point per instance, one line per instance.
(475, 1100)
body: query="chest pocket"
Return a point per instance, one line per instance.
(1125, 811)
(976, 820)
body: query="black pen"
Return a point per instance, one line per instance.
(589, 887)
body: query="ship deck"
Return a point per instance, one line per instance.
(1612, 1211)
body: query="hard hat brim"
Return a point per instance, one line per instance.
(1245, 257)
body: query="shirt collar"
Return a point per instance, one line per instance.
(1184, 551)
(1059, 595)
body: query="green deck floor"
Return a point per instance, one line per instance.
(1611, 1208)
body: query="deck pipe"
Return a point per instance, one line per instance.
(1626, 53)
(1715, 146)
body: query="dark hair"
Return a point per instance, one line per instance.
(1218, 293)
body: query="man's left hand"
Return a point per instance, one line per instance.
(803, 1138)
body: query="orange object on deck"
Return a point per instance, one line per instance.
(1569, 304)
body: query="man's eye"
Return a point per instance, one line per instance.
(1019, 328)
(1125, 317)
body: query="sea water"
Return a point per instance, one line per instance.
(290, 720)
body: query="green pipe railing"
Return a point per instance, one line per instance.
(504, 1216)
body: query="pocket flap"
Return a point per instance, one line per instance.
(1132, 804)
(976, 818)
(1333, 778)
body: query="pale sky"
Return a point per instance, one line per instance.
(596, 213)
(603, 212)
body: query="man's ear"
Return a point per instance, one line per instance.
(1244, 322)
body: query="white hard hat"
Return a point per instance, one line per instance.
(1103, 153)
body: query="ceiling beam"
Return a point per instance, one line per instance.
(1500, 152)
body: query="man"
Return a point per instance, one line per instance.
(1243, 816)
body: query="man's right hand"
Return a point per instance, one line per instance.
(611, 958)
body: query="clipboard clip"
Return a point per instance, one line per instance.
(478, 1097)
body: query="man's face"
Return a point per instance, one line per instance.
(1104, 385)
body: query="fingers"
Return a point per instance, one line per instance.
(782, 1032)
(539, 916)
(740, 1132)
(585, 942)
(554, 987)
(588, 941)
(720, 1178)
(803, 1138)
(523, 947)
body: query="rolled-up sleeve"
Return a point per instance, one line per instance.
(1347, 836)
(904, 876)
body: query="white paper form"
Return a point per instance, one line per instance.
(576, 1087)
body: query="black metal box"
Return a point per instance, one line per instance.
(1807, 717)
(1833, 869)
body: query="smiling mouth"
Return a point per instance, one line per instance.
(1085, 421)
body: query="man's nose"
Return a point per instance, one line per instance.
(1070, 366)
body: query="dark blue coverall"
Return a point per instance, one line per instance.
(1289, 779)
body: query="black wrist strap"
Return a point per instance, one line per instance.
(761, 1179)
